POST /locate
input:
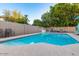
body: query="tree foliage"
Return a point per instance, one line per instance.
(46, 19)
(63, 14)
(15, 16)
(37, 22)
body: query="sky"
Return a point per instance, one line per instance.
(33, 10)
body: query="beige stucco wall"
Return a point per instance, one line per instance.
(19, 28)
(67, 29)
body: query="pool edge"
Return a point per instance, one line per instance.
(11, 38)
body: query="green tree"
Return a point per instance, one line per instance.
(26, 20)
(37, 22)
(6, 15)
(15, 16)
(23, 20)
(46, 19)
(63, 14)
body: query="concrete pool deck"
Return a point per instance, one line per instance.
(41, 49)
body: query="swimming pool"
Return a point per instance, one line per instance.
(49, 38)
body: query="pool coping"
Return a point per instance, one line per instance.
(75, 36)
(14, 37)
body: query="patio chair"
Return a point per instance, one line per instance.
(8, 32)
(1, 32)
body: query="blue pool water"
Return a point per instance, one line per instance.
(50, 38)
